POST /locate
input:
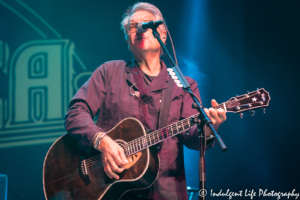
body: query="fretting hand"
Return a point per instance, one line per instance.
(217, 116)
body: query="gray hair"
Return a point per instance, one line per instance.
(141, 6)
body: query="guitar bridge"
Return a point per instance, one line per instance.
(83, 168)
(83, 171)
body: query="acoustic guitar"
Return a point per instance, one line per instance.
(69, 173)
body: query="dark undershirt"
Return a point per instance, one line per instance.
(148, 79)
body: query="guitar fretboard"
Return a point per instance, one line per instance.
(158, 136)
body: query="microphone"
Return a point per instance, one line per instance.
(142, 26)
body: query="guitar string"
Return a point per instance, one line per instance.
(97, 159)
(151, 137)
(156, 134)
(95, 163)
(98, 162)
(93, 160)
(134, 148)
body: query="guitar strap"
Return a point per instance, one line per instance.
(165, 108)
(165, 104)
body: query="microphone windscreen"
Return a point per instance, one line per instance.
(140, 27)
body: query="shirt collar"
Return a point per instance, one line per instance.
(160, 82)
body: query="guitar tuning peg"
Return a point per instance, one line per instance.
(252, 112)
(241, 115)
(264, 110)
(257, 91)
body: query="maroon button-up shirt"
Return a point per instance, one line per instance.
(108, 94)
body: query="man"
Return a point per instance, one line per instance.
(120, 89)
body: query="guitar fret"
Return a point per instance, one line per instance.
(162, 134)
(152, 139)
(125, 150)
(135, 148)
(177, 128)
(166, 132)
(132, 145)
(159, 135)
(187, 126)
(156, 137)
(180, 128)
(145, 143)
(131, 152)
(140, 145)
(148, 140)
(170, 132)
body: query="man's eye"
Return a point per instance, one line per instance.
(132, 26)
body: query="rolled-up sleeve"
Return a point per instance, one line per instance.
(84, 106)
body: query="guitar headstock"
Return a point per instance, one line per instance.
(252, 100)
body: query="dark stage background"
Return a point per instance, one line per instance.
(48, 48)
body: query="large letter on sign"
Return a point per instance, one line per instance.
(40, 81)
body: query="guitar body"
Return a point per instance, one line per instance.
(69, 173)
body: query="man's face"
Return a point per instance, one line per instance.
(141, 43)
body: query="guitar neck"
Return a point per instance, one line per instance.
(252, 100)
(158, 136)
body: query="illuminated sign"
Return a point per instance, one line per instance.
(41, 80)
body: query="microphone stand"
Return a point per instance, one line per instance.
(204, 120)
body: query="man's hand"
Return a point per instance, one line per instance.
(217, 117)
(113, 157)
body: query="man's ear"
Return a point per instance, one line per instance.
(164, 37)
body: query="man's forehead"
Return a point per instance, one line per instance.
(141, 16)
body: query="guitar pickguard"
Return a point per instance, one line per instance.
(133, 159)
